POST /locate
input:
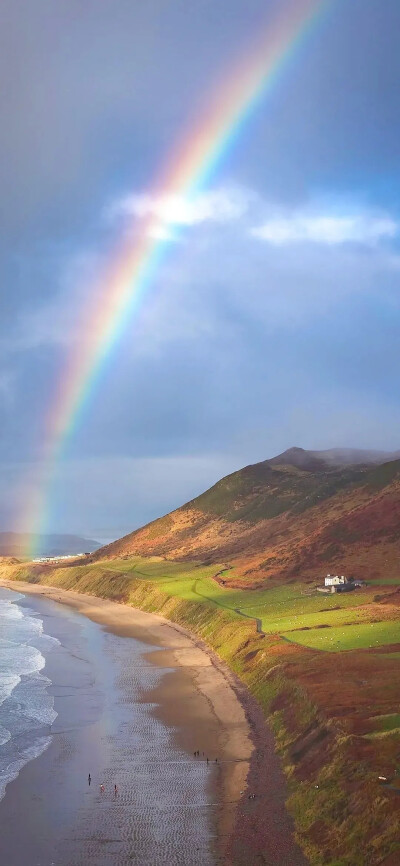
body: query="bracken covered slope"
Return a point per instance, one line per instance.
(300, 514)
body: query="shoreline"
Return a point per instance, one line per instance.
(202, 700)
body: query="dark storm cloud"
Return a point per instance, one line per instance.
(257, 334)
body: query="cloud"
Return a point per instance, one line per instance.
(327, 224)
(212, 270)
(324, 228)
(173, 209)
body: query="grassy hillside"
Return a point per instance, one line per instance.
(324, 669)
(238, 566)
(297, 515)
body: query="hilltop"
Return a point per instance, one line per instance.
(298, 514)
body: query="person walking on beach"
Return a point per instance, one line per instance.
(102, 789)
(115, 790)
(89, 778)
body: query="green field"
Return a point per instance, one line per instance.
(338, 793)
(388, 722)
(387, 581)
(384, 726)
(326, 622)
(350, 637)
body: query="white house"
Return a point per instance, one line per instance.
(335, 580)
(336, 583)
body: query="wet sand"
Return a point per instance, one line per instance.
(208, 710)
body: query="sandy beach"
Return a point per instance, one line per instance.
(206, 708)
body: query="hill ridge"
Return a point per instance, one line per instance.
(276, 519)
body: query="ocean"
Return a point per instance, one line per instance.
(76, 699)
(26, 708)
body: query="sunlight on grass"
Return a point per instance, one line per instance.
(298, 613)
(330, 623)
(348, 637)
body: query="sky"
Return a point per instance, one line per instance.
(274, 319)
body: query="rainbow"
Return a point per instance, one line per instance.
(134, 265)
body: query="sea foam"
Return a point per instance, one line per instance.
(26, 708)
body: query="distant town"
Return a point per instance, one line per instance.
(59, 558)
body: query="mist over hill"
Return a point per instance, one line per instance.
(333, 457)
(301, 513)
